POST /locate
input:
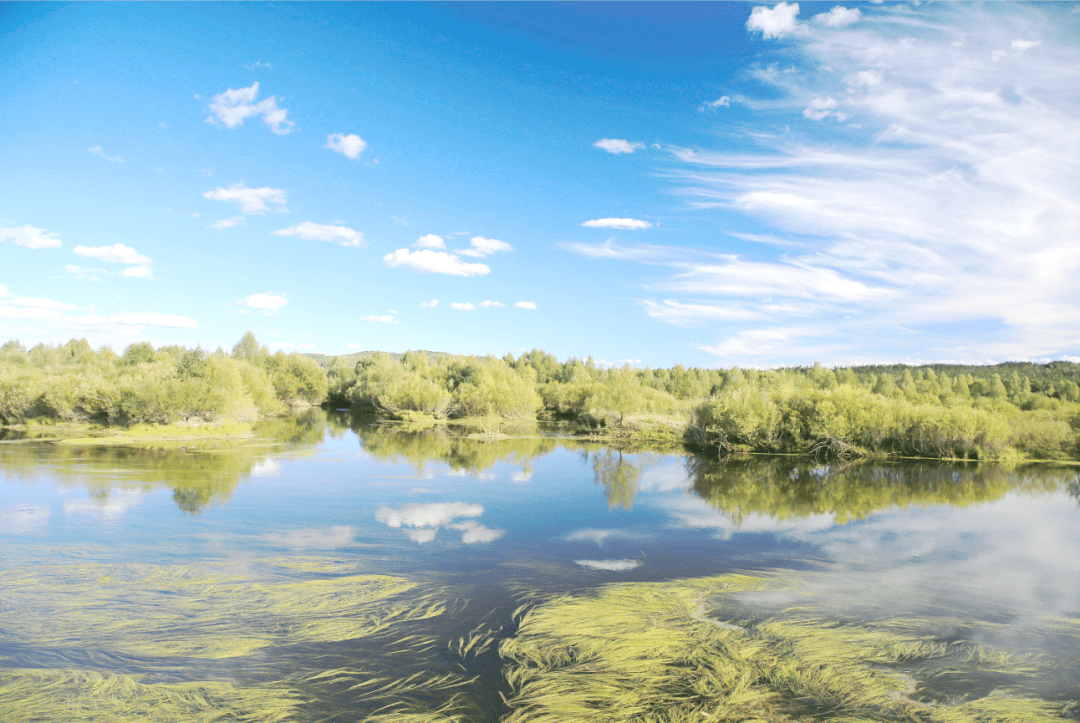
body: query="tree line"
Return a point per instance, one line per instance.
(1002, 411)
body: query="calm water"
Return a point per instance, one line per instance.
(480, 525)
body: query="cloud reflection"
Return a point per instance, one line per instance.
(110, 507)
(320, 539)
(22, 518)
(611, 565)
(426, 519)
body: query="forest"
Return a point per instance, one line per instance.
(1007, 411)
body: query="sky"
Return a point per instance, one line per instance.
(706, 184)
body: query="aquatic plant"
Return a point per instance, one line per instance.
(648, 652)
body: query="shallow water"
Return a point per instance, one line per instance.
(251, 563)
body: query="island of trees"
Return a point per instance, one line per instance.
(1006, 411)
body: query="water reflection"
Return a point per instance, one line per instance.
(116, 478)
(784, 488)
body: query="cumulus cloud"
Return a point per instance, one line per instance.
(96, 150)
(775, 22)
(435, 262)
(820, 108)
(342, 235)
(350, 146)
(430, 241)
(609, 565)
(490, 304)
(481, 247)
(429, 304)
(232, 107)
(115, 254)
(618, 145)
(838, 17)
(462, 306)
(267, 303)
(525, 305)
(626, 224)
(387, 319)
(30, 237)
(250, 200)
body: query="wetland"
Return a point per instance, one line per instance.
(333, 567)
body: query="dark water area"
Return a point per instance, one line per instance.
(333, 553)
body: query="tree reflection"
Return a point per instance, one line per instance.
(618, 476)
(786, 487)
(198, 473)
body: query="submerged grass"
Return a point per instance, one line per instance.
(647, 652)
(75, 696)
(177, 611)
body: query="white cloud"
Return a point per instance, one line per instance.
(388, 319)
(525, 305)
(138, 272)
(250, 200)
(820, 108)
(430, 241)
(723, 101)
(618, 145)
(609, 565)
(950, 203)
(838, 17)
(434, 514)
(30, 237)
(490, 304)
(481, 247)
(1023, 45)
(682, 314)
(422, 535)
(462, 306)
(599, 536)
(8, 311)
(38, 303)
(350, 146)
(775, 22)
(266, 302)
(626, 224)
(128, 324)
(232, 107)
(4, 291)
(436, 262)
(342, 235)
(429, 304)
(96, 150)
(227, 223)
(115, 254)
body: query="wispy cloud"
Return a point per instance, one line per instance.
(626, 224)
(342, 235)
(481, 247)
(96, 150)
(462, 306)
(115, 254)
(232, 107)
(525, 305)
(618, 146)
(385, 319)
(250, 200)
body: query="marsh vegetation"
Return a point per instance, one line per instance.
(1007, 411)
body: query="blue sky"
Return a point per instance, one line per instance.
(707, 184)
